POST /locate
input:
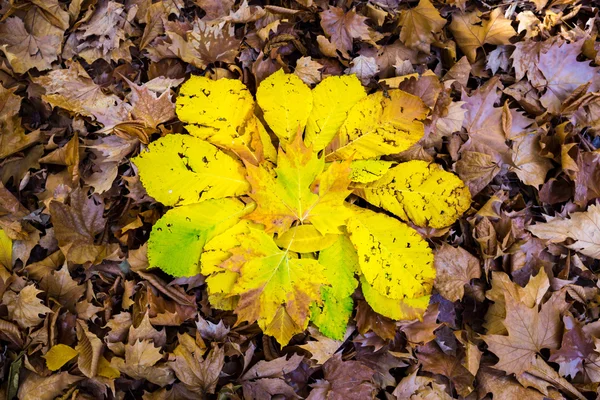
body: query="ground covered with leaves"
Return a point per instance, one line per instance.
(512, 96)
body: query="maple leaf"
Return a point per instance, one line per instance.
(308, 70)
(419, 192)
(434, 360)
(419, 24)
(323, 348)
(25, 48)
(149, 108)
(343, 380)
(576, 348)
(25, 307)
(342, 27)
(455, 268)
(265, 379)
(581, 227)
(365, 68)
(287, 197)
(378, 125)
(199, 375)
(62, 288)
(529, 331)
(471, 32)
(505, 387)
(274, 288)
(530, 166)
(215, 9)
(74, 90)
(142, 362)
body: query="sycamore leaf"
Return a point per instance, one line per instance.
(365, 171)
(323, 348)
(455, 268)
(305, 239)
(379, 124)
(177, 238)
(221, 112)
(196, 171)
(419, 24)
(332, 100)
(142, 362)
(471, 32)
(397, 264)
(25, 307)
(198, 374)
(344, 26)
(58, 356)
(420, 192)
(286, 102)
(308, 70)
(62, 288)
(344, 380)
(275, 289)
(340, 263)
(581, 227)
(287, 197)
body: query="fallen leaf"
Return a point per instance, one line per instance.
(343, 380)
(198, 374)
(36, 387)
(142, 362)
(25, 307)
(455, 268)
(419, 25)
(58, 356)
(342, 27)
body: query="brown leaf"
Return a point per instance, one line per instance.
(215, 9)
(198, 374)
(141, 362)
(323, 348)
(151, 109)
(309, 70)
(529, 331)
(419, 24)
(342, 27)
(455, 268)
(74, 90)
(477, 170)
(438, 362)
(503, 387)
(472, 32)
(36, 387)
(350, 380)
(576, 347)
(587, 179)
(145, 331)
(265, 379)
(12, 135)
(25, 307)
(368, 320)
(90, 350)
(62, 288)
(530, 166)
(76, 226)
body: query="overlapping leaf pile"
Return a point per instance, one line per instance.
(289, 252)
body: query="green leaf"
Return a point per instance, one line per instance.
(340, 263)
(177, 239)
(181, 169)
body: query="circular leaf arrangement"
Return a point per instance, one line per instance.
(260, 201)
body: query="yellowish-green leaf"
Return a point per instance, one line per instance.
(275, 288)
(399, 309)
(365, 171)
(286, 102)
(219, 280)
(58, 356)
(394, 259)
(332, 100)
(181, 169)
(340, 263)
(420, 192)
(300, 191)
(5, 250)
(214, 109)
(379, 124)
(177, 239)
(305, 239)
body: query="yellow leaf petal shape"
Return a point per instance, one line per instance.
(420, 192)
(5, 250)
(305, 239)
(399, 309)
(394, 259)
(286, 102)
(379, 124)
(332, 100)
(275, 288)
(365, 171)
(340, 263)
(58, 356)
(300, 191)
(181, 169)
(177, 239)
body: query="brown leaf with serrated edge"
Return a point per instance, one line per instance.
(344, 380)
(434, 360)
(142, 362)
(575, 349)
(419, 24)
(265, 378)
(25, 307)
(343, 27)
(36, 387)
(12, 134)
(149, 108)
(60, 287)
(455, 268)
(503, 387)
(145, 331)
(198, 374)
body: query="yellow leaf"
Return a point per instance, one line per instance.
(305, 239)
(5, 250)
(399, 309)
(332, 100)
(58, 356)
(471, 32)
(379, 124)
(275, 289)
(365, 171)
(286, 102)
(419, 24)
(106, 370)
(180, 170)
(287, 197)
(420, 192)
(394, 259)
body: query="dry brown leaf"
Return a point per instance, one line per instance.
(215, 9)
(36, 387)
(434, 360)
(472, 32)
(419, 24)
(145, 331)
(455, 268)
(61, 288)
(309, 70)
(529, 165)
(142, 362)
(149, 108)
(90, 349)
(343, 380)
(25, 307)
(265, 378)
(343, 27)
(323, 348)
(503, 387)
(198, 374)
(12, 134)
